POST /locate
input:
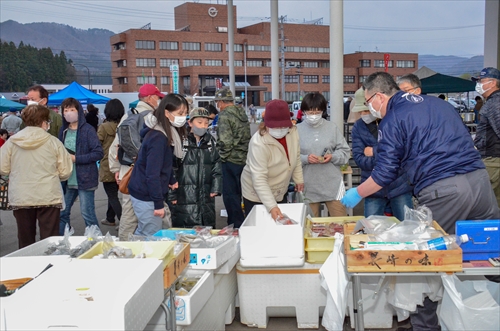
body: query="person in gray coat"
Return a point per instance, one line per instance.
(323, 150)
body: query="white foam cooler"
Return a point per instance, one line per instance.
(264, 243)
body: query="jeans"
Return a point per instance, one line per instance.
(231, 192)
(114, 204)
(376, 206)
(148, 224)
(87, 208)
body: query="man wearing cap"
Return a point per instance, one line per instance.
(435, 149)
(233, 132)
(487, 139)
(12, 122)
(149, 97)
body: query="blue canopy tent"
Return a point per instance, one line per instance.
(80, 93)
(133, 104)
(6, 105)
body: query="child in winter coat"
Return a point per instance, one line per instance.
(199, 176)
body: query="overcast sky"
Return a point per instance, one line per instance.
(446, 27)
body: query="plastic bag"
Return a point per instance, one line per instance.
(422, 214)
(93, 234)
(408, 231)
(335, 281)
(469, 304)
(375, 224)
(62, 247)
(285, 220)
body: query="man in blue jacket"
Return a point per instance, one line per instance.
(425, 137)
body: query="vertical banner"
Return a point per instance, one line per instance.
(218, 83)
(174, 70)
(387, 58)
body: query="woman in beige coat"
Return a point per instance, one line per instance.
(36, 163)
(273, 160)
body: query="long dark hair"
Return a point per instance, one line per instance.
(170, 102)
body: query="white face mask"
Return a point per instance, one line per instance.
(480, 89)
(313, 120)
(31, 102)
(179, 121)
(374, 112)
(368, 118)
(278, 133)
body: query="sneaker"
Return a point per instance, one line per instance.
(106, 222)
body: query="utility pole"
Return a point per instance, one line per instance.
(282, 30)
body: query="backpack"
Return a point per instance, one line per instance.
(129, 138)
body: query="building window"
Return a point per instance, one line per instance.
(169, 45)
(405, 64)
(144, 44)
(267, 79)
(325, 64)
(365, 63)
(209, 81)
(166, 63)
(268, 96)
(165, 80)
(362, 79)
(145, 63)
(326, 94)
(186, 80)
(326, 79)
(311, 79)
(311, 65)
(191, 63)
(292, 96)
(269, 63)
(381, 64)
(237, 63)
(122, 80)
(119, 46)
(187, 46)
(254, 63)
(146, 80)
(291, 79)
(237, 47)
(293, 64)
(349, 79)
(121, 63)
(259, 48)
(213, 63)
(213, 47)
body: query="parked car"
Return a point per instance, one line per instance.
(455, 105)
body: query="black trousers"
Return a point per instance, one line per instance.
(114, 204)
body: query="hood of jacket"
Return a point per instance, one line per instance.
(109, 128)
(31, 137)
(143, 106)
(81, 118)
(150, 122)
(237, 112)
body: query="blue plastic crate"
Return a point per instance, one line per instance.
(170, 234)
(484, 239)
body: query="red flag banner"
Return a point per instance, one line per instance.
(387, 58)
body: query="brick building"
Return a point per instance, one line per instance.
(199, 46)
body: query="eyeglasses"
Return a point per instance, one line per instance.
(48, 122)
(368, 101)
(410, 89)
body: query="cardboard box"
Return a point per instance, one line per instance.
(175, 267)
(484, 239)
(162, 250)
(400, 261)
(212, 258)
(263, 243)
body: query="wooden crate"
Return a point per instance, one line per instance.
(173, 270)
(400, 261)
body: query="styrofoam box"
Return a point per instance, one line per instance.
(377, 312)
(212, 258)
(213, 314)
(126, 302)
(39, 248)
(263, 243)
(188, 306)
(280, 292)
(228, 266)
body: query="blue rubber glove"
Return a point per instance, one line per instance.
(351, 198)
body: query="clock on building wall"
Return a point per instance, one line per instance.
(212, 12)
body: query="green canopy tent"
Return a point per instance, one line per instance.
(440, 83)
(6, 105)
